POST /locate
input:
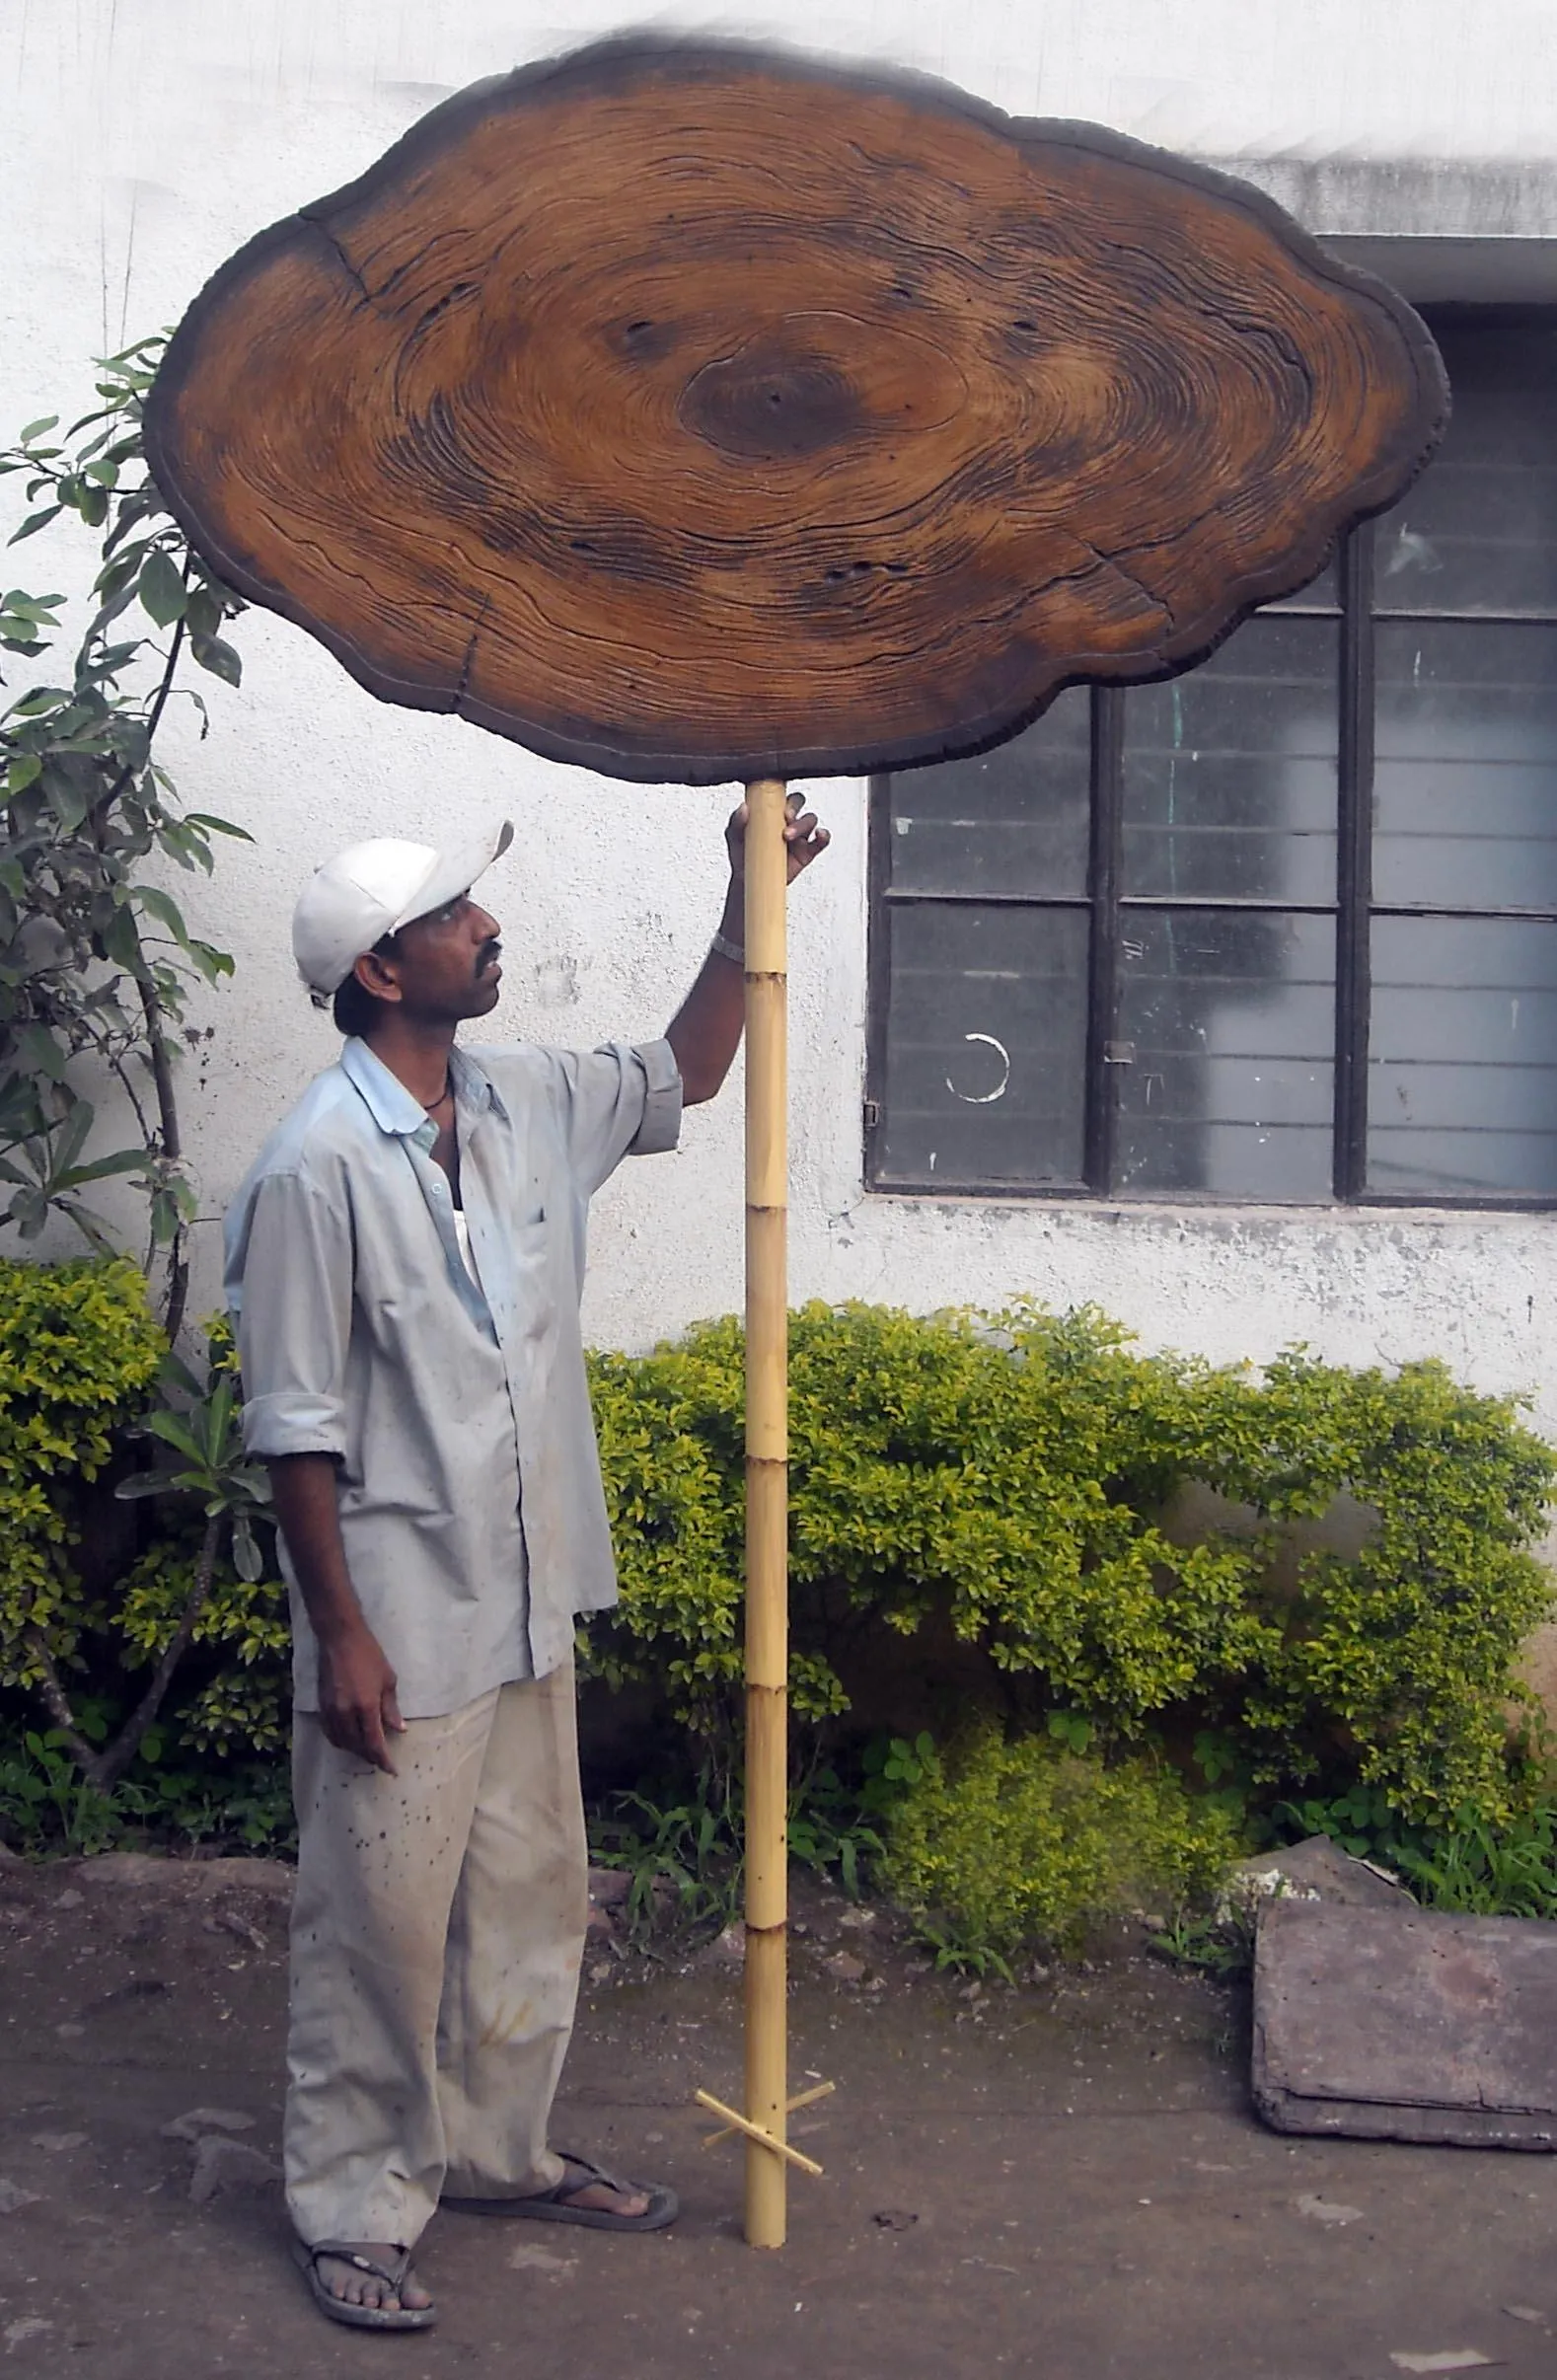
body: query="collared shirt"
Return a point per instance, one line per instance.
(453, 1398)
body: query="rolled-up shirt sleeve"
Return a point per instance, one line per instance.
(291, 1276)
(618, 1101)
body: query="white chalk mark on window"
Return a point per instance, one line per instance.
(1411, 552)
(984, 1099)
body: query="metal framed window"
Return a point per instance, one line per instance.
(1281, 930)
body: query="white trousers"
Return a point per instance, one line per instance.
(436, 1938)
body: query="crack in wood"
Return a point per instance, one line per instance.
(463, 687)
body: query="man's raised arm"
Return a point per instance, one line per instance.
(706, 1031)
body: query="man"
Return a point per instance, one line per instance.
(404, 1263)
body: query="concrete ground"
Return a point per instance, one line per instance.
(1064, 2181)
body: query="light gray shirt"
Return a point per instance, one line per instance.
(453, 1399)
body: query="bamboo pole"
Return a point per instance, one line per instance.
(766, 1511)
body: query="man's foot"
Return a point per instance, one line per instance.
(600, 2194)
(586, 2193)
(369, 2284)
(355, 2287)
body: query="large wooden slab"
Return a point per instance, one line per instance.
(1406, 2024)
(696, 412)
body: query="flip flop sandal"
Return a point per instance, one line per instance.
(391, 2273)
(550, 2205)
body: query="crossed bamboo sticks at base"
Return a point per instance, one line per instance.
(735, 2124)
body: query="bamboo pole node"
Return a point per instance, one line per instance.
(757, 2132)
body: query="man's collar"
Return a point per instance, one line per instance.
(396, 1110)
(472, 1086)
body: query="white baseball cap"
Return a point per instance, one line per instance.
(374, 889)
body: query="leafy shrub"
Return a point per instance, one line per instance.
(81, 1360)
(1008, 1843)
(78, 1358)
(1503, 1867)
(47, 1804)
(686, 1846)
(1008, 1481)
(236, 1695)
(1011, 1474)
(1489, 1871)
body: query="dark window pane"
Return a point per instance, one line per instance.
(1229, 1022)
(1013, 822)
(1478, 532)
(986, 1046)
(1463, 1072)
(1465, 773)
(1231, 771)
(1324, 590)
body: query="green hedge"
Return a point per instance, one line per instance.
(79, 1357)
(1010, 1473)
(1002, 1479)
(84, 1588)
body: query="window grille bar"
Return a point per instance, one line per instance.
(879, 966)
(1354, 861)
(1234, 902)
(1102, 881)
(1405, 619)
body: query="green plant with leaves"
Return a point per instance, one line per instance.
(80, 1355)
(242, 1701)
(239, 1699)
(1507, 1871)
(45, 1803)
(83, 1363)
(934, 1465)
(247, 1801)
(831, 1829)
(890, 1764)
(1362, 1822)
(1396, 1662)
(1212, 1944)
(204, 1439)
(1006, 1843)
(1014, 1477)
(95, 957)
(687, 1848)
(47, 1806)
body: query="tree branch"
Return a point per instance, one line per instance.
(57, 1703)
(122, 1074)
(169, 1136)
(100, 810)
(110, 1765)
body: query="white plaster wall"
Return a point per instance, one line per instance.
(141, 140)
